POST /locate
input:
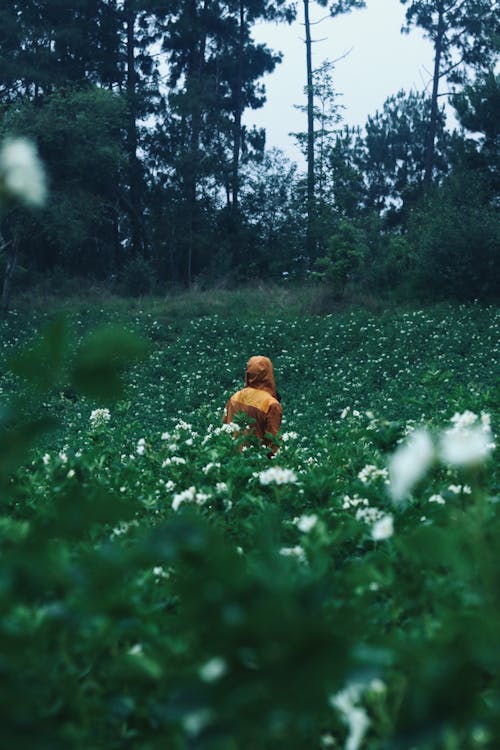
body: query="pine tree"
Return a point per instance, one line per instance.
(462, 35)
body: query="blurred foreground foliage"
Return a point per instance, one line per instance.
(124, 625)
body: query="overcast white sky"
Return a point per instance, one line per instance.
(382, 62)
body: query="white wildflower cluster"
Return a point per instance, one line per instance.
(371, 473)
(160, 572)
(189, 496)
(296, 551)
(467, 442)
(213, 432)
(382, 524)
(347, 410)
(369, 515)
(353, 502)
(410, 462)
(21, 172)
(347, 703)
(173, 461)
(99, 418)
(213, 669)
(123, 527)
(383, 528)
(277, 475)
(141, 447)
(305, 523)
(210, 466)
(438, 499)
(460, 489)
(288, 436)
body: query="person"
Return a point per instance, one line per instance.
(259, 400)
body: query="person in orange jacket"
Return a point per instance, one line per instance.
(259, 400)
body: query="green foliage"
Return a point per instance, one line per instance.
(157, 591)
(346, 250)
(137, 276)
(455, 234)
(79, 138)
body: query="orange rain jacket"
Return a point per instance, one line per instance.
(258, 400)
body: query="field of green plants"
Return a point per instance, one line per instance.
(162, 589)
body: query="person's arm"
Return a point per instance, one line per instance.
(273, 418)
(273, 423)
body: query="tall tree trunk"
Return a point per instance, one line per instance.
(195, 74)
(310, 230)
(238, 108)
(135, 183)
(431, 134)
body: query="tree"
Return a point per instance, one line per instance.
(80, 139)
(455, 235)
(477, 107)
(461, 32)
(337, 8)
(392, 154)
(214, 73)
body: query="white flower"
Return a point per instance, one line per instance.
(459, 488)
(159, 572)
(231, 427)
(21, 171)
(463, 421)
(465, 447)
(377, 686)
(383, 528)
(296, 551)
(189, 496)
(369, 515)
(213, 669)
(287, 436)
(354, 716)
(437, 499)
(277, 475)
(353, 502)
(409, 463)
(370, 473)
(174, 460)
(468, 441)
(46, 459)
(99, 417)
(136, 650)
(306, 523)
(196, 721)
(141, 447)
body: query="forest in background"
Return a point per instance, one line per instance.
(136, 108)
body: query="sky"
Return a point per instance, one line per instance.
(381, 61)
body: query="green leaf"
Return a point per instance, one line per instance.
(102, 358)
(42, 363)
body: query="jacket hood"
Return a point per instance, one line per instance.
(260, 374)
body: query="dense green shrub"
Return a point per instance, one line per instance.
(455, 234)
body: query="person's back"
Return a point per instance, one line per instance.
(258, 399)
